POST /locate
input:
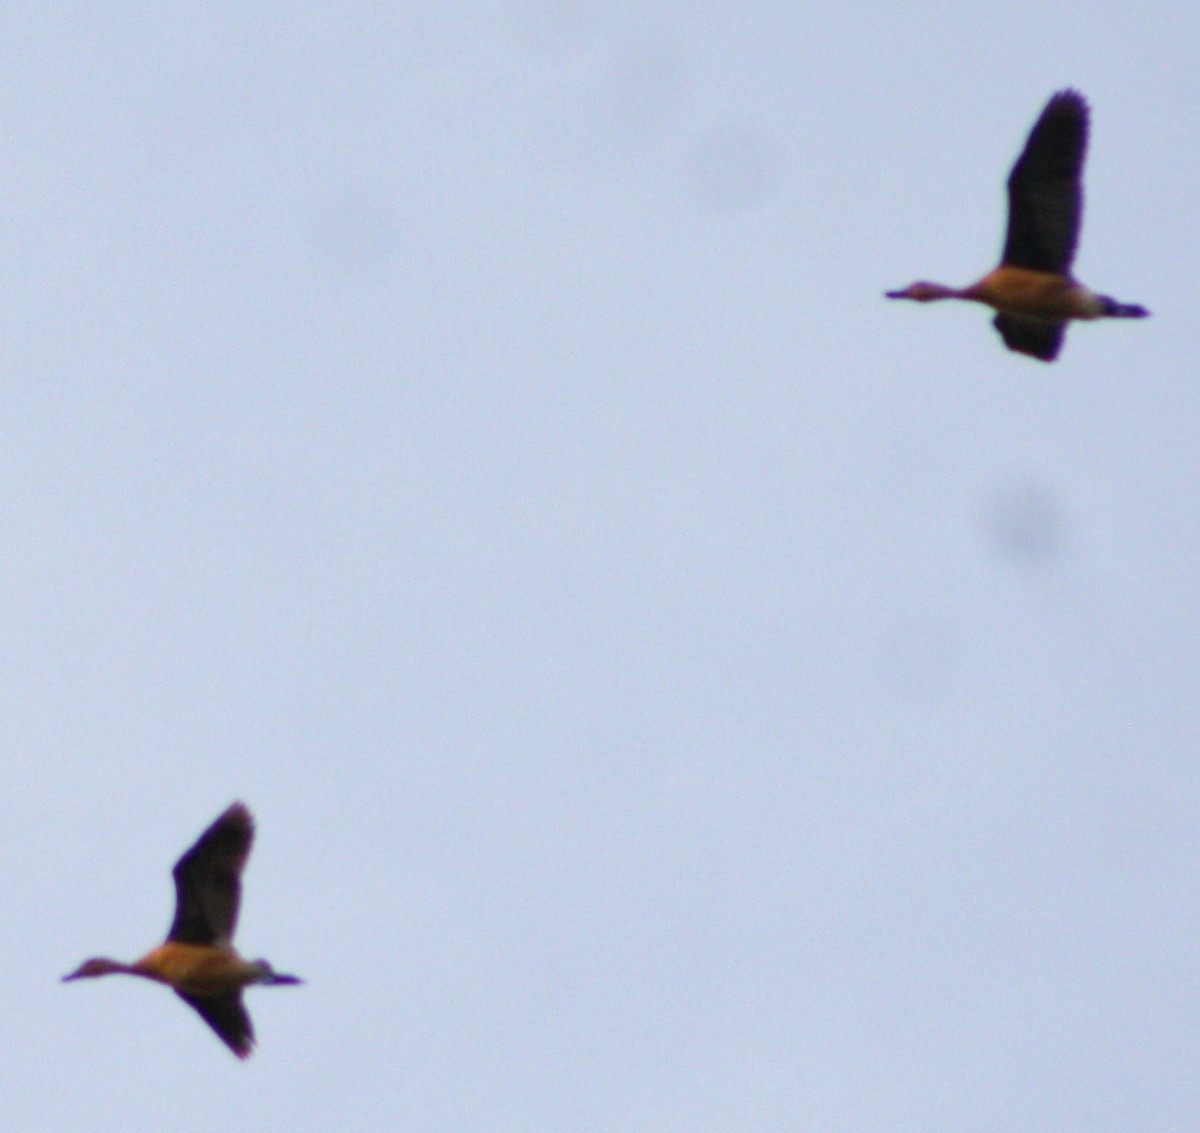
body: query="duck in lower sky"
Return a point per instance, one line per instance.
(197, 959)
(1033, 290)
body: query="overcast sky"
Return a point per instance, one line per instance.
(678, 689)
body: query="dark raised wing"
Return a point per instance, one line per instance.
(208, 881)
(1031, 336)
(226, 1014)
(1045, 190)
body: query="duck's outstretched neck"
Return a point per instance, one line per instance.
(925, 292)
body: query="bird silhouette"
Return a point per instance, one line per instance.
(198, 959)
(1033, 290)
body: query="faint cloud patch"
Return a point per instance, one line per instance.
(1026, 525)
(593, 100)
(647, 81)
(354, 234)
(918, 655)
(733, 168)
(549, 30)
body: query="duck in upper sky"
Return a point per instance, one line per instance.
(1033, 289)
(197, 960)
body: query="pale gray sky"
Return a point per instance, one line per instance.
(679, 690)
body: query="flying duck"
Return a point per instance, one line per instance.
(198, 960)
(1033, 290)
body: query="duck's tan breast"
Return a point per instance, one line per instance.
(198, 969)
(1034, 294)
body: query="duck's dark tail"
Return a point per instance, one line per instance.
(268, 975)
(1115, 310)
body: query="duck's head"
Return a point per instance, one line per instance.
(96, 966)
(923, 292)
